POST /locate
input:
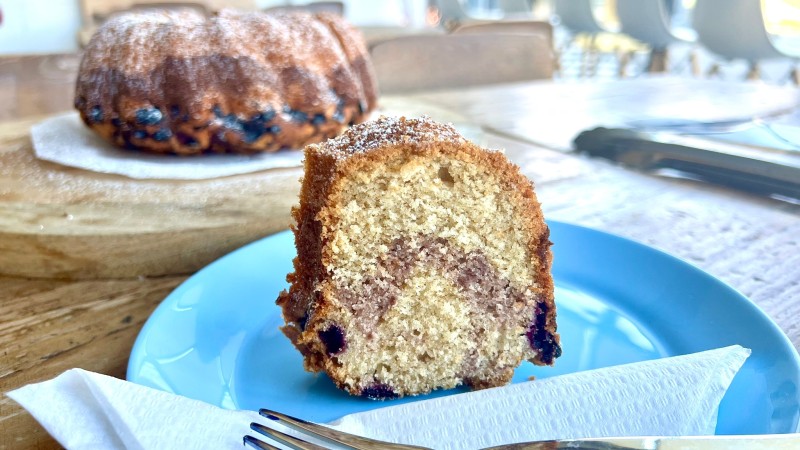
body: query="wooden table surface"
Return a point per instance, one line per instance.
(49, 324)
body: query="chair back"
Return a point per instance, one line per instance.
(578, 16)
(95, 12)
(647, 21)
(415, 63)
(733, 29)
(535, 27)
(516, 8)
(451, 11)
(335, 7)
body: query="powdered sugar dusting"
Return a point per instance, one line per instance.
(136, 42)
(130, 40)
(237, 82)
(389, 131)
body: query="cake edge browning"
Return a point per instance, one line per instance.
(319, 170)
(328, 164)
(199, 98)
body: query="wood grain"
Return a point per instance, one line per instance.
(111, 231)
(58, 221)
(50, 326)
(63, 222)
(750, 243)
(553, 113)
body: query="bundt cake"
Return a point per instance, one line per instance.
(423, 262)
(178, 82)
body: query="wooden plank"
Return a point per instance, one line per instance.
(58, 221)
(50, 326)
(553, 113)
(64, 222)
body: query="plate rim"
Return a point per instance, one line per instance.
(785, 343)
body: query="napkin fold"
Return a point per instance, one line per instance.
(677, 396)
(671, 396)
(65, 140)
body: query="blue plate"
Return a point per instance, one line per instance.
(216, 338)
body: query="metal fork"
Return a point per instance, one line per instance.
(352, 442)
(339, 439)
(321, 433)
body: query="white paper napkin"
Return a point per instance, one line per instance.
(65, 140)
(671, 396)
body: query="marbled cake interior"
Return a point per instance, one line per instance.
(425, 267)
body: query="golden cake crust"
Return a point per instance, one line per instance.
(311, 298)
(236, 82)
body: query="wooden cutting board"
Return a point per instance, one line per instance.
(62, 222)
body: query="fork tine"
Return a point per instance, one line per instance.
(331, 435)
(257, 443)
(283, 438)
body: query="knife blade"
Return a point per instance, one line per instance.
(770, 173)
(743, 442)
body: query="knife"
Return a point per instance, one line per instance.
(771, 173)
(750, 442)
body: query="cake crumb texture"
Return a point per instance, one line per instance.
(423, 263)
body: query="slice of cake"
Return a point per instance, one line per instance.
(423, 262)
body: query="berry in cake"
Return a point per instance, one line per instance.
(423, 263)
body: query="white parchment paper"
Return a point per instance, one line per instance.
(65, 140)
